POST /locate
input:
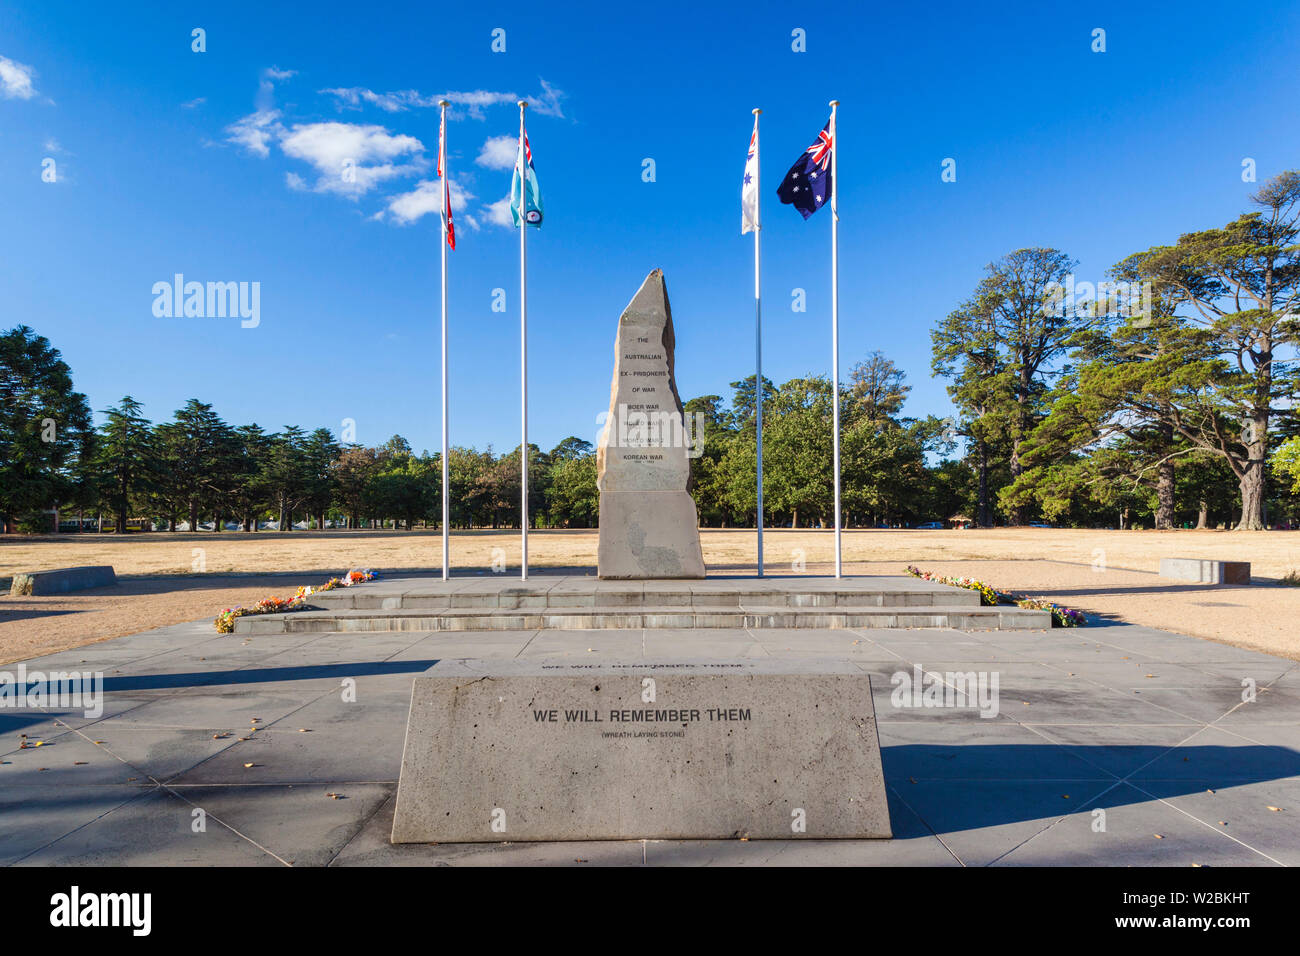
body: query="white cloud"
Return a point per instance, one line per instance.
(351, 158)
(498, 213)
(426, 198)
(16, 80)
(389, 102)
(265, 99)
(196, 102)
(545, 103)
(255, 131)
(499, 152)
(327, 145)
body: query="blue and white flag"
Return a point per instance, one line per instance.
(530, 194)
(749, 188)
(808, 183)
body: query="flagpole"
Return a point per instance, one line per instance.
(835, 324)
(758, 340)
(446, 500)
(523, 339)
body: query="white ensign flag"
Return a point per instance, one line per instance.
(749, 189)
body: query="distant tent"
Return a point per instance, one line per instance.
(960, 521)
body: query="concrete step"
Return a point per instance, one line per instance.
(959, 617)
(541, 598)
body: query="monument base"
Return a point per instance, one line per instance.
(649, 534)
(550, 750)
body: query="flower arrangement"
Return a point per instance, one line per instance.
(988, 596)
(225, 621)
(1061, 616)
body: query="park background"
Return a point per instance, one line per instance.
(225, 165)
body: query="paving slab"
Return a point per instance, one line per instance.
(326, 740)
(155, 828)
(1079, 727)
(1139, 831)
(299, 825)
(36, 816)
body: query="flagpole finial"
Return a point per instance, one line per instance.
(835, 103)
(523, 104)
(756, 111)
(444, 103)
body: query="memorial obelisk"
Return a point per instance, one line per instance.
(649, 527)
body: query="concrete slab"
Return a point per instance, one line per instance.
(36, 816)
(62, 580)
(153, 829)
(299, 825)
(992, 790)
(1205, 572)
(550, 751)
(1139, 831)
(327, 740)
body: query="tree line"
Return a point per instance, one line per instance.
(1161, 397)
(1186, 403)
(196, 468)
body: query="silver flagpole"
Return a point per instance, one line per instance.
(446, 506)
(758, 338)
(835, 324)
(523, 336)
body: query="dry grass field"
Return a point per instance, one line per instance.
(168, 578)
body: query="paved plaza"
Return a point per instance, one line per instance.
(261, 734)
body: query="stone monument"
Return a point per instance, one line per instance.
(641, 750)
(649, 527)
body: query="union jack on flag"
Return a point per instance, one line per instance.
(808, 183)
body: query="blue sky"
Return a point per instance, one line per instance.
(220, 165)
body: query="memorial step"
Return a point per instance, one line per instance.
(513, 598)
(754, 616)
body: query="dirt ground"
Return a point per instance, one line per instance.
(169, 578)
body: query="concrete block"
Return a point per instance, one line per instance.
(545, 750)
(1201, 571)
(61, 580)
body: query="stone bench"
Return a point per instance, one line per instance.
(60, 580)
(1202, 571)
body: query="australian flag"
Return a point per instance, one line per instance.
(807, 185)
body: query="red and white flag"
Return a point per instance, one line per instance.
(446, 185)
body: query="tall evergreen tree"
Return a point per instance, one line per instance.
(125, 456)
(45, 427)
(1236, 292)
